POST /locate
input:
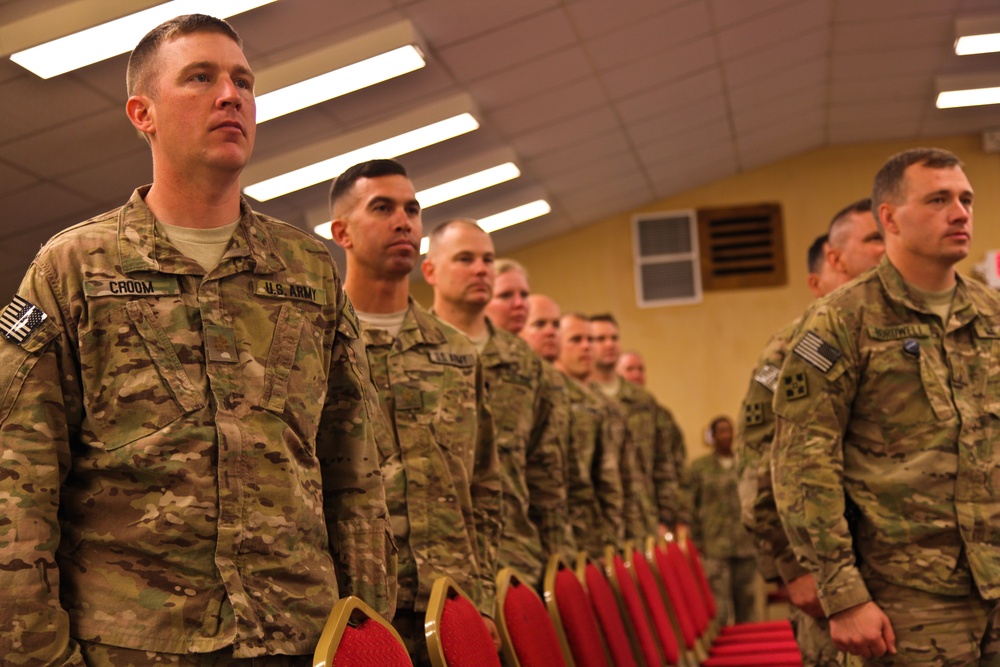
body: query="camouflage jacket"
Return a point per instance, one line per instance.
(442, 474)
(657, 440)
(531, 435)
(716, 528)
(881, 402)
(755, 432)
(187, 459)
(596, 496)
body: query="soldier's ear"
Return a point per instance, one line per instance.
(427, 268)
(139, 110)
(887, 214)
(340, 233)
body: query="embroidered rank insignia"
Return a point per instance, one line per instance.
(754, 414)
(20, 319)
(817, 352)
(796, 386)
(768, 376)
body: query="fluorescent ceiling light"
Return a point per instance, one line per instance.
(451, 190)
(977, 34)
(950, 99)
(116, 37)
(507, 218)
(338, 82)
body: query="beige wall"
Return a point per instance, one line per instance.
(699, 357)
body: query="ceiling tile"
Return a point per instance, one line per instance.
(847, 10)
(906, 31)
(852, 91)
(445, 23)
(853, 133)
(941, 122)
(727, 13)
(902, 62)
(48, 105)
(683, 94)
(59, 203)
(528, 79)
(549, 107)
(616, 169)
(554, 162)
(765, 30)
(12, 179)
(594, 18)
(102, 184)
(778, 111)
(813, 45)
(686, 145)
(571, 130)
(679, 120)
(691, 58)
(779, 82)
(640, 40)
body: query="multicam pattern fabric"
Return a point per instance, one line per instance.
(188, 460)
(904, 425)
(717, 529)
(596, 496)
(442, 474)
(531, 438)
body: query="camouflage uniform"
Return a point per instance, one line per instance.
(531, 441)
(188, 459)
(881, 402)
(442, 475)
(657, 440)
(775, 558)
(596, 496)
(718, 532)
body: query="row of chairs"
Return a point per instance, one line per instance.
(643, 607)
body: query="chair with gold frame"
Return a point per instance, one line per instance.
(356, 635)
(527, 635)
(456, 634)
(573, 615)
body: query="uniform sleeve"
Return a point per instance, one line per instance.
(547, 469)
(487, 497)
(637, 510)
(812, 404)
(40, 413)
(672, 502)
(354, 495)
(609, 478)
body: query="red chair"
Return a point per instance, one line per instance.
(527, 636)
(653, 597)
(621, 641)
(620, 576)
(456, 634)
(355, 635)
(573, 616)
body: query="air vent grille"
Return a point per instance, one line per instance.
(741, 246)
(666, 252)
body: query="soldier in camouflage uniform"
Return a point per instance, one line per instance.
(188, 451)
(654, 431)
(632, 368)
(717, 530)
(852, 245)
(888, 401)
(440, 464)
(531, 436)
(600, 428)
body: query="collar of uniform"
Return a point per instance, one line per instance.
(420, 327)
(139, 250)
(963, 309)
(497, 348)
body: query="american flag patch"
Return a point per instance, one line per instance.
(817, 352)
(20, 319)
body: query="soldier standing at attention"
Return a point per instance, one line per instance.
(440, 465)
(530, 434)
(717, 530)
(188, 472)
(632, 367)
(888, 400)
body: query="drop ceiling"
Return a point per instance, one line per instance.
(607, 105)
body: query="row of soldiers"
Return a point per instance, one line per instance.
(505, 427)
(204, 444)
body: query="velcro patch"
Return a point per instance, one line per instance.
(159, 286)
(899, 331)
(279, 290)
(20, 319)
(817, 352)
(754, 414)
(795, 386)
(450, 359)
(768, 375)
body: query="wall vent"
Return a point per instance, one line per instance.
(666, 251)
(741, 246)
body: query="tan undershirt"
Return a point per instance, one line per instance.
(391, 322)
(205, 246)
(938, 302)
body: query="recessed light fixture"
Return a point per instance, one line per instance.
(977, 34)
(967, 90)
(116, 37)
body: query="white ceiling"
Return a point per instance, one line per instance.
(607, 104)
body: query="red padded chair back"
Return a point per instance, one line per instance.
(650, 589)
(578, 621)
(532, 635)
(464, 636)
(602, 598)
(676, 561)
(636, 610)
(694, 560)
(368, 643)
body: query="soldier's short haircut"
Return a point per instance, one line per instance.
(835, 234)
(817, 254)
(370, 169)
(604, 317)
(141, 61)
(715, 423)
(435, 236)
(889, 179)
(503, 265)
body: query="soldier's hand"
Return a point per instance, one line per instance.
(863, 630)
(494, 633)
(803, 594)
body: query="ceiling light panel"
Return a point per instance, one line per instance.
(968, 90)
(977, 34)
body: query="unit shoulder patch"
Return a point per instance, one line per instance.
(817, 352)
(767, 375)
(795, 386)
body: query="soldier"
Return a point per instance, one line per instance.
(440, 460)
(188, 463)
(530, 433)
(659, 444)
(852, 245)
(508, 308)
(632, 367)
(716, 527)
(887, 402)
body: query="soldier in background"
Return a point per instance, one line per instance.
(632, 367)
(887, 401)
(659, 445)
(856, 246)
(188, 469)
(531, 433)
(440, 464)
(717, 530)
